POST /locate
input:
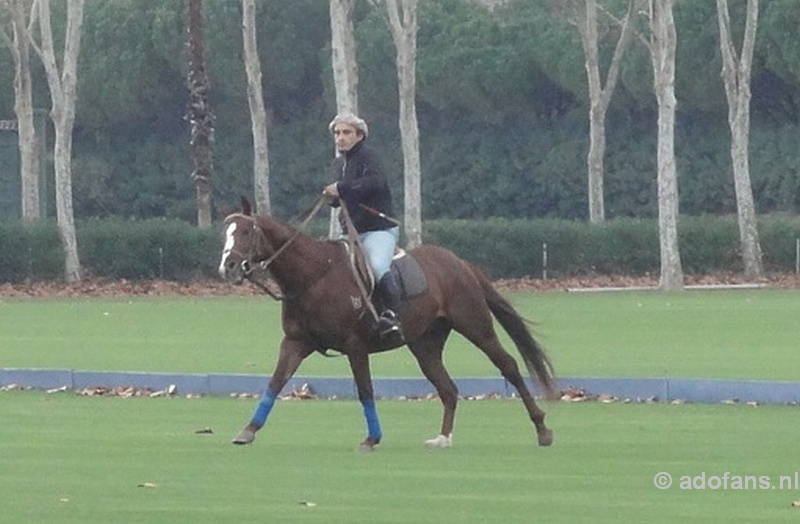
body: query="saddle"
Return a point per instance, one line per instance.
(405, 267)
(412, 279)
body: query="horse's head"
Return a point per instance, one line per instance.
(241, 245)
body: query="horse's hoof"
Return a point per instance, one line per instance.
(368, 444)
(440, 442)
(546, 437)
(247, 436)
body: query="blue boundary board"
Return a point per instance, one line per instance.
(660, 389)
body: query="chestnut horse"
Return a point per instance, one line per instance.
(323, 309)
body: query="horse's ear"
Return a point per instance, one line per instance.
(246, 208)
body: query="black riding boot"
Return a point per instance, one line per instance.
(389, 289)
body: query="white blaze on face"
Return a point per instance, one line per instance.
(227, 249)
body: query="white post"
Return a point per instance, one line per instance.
(796, 255)
(544, 261)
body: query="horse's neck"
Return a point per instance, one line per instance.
(300, 263)
(275, 234)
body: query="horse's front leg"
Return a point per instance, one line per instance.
(359, 364)
(292, 353)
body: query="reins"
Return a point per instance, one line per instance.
(306, 217)
(352, 239)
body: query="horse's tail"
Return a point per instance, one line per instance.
(536, 360)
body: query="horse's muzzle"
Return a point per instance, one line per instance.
(232, 271)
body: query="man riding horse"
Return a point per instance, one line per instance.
(322, 307)
(361, 184)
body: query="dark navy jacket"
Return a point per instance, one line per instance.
(361, 180)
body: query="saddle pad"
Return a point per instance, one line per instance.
(410, 275)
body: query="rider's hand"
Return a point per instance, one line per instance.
(331, 191)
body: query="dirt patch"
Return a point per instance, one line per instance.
(210, 288)
(147, 288)
(788, 281)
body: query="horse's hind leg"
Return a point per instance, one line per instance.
(484, 336)
(428, 352)
(544, 434)
(510, 370)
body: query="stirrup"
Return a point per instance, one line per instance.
(388, 324)
(389, 315)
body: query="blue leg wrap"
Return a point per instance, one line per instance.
(263, 409)
(373, 424)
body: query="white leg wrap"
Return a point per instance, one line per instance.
(440, 442)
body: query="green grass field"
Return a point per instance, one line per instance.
(710, 334)
(71, 459)
(68, 459)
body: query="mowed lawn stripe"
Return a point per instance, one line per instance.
(67, 459)
(748, 334)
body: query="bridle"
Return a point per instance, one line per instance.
(248, 266)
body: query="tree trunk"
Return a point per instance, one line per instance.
(599, 96)
(200, 115)
(64, 212)
(595, 161)
(345, 74)
(63, 90)
(19, 45)
(662, 51)
(343, 55)
(736, 78)
(258, 114)
(404, 33)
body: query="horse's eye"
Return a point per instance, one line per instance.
(246, 232)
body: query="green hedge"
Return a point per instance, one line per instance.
(111, 249)
(170, 249)
(148, 249)
(29, 252)
(514, 248)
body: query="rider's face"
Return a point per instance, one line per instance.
(346, 136)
